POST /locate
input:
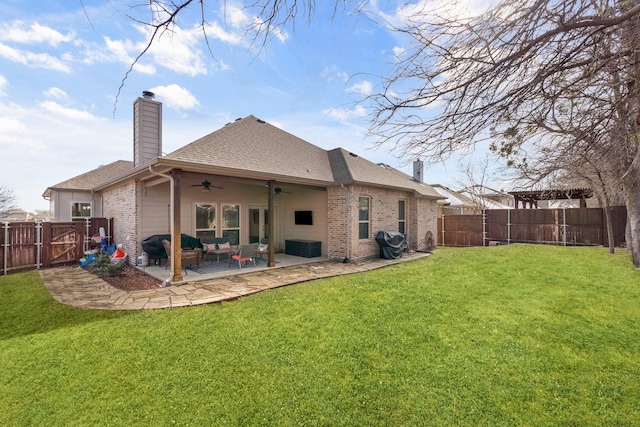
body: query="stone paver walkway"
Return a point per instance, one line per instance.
(77, 287)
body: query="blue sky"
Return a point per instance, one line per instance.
(61, 67)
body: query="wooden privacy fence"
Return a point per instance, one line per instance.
(29, 245)
(570, 227)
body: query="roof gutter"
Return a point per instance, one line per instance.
(167, 164)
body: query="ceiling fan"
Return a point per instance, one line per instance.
(206, 186)
(277, 191)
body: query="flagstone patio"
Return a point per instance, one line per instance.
(77, 287)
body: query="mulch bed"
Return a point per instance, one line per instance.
(131, 279)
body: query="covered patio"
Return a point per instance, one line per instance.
(210, 268)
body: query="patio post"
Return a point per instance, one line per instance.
(176, 259)
(271, 261)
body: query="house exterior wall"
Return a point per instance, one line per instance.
(154, 208)
(60, 204)
(122, 204)
(338, 213)
(343, 237)
(308, 200)
(424, 224)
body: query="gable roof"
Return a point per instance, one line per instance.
(250, 144)
(89, 180)
(252, 148)
(350, 168)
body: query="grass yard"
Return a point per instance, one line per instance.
(501, 336)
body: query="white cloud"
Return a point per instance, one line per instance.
(68, 113)
(178, 51)
(331, 74)
(54, 92)
(11, 126)
(363, 88)
(236, 16)
(399, 51)
(36, 60)
(176, 97)
(118, 50)
(3, 84)
(346, 114)
(216, 31)
(35, 33)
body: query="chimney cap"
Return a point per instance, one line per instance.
(148, 94)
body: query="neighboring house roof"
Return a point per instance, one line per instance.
(485, 201)
(252, 148)
(89, 180)
(16, 215)
(453, 198)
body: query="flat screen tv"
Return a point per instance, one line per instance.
(304, 217)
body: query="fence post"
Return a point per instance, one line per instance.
(38, 245)
(484, 227)
(443, 242)
(508, 226)
(5, 250)
(564, 226)
(87, 234)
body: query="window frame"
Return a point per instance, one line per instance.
(225, 230)
(204, 233)
(80, 218)
(402, 220)
(364, 222)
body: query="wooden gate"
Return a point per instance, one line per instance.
(62, 243)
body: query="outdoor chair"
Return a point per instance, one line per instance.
(262, 249)
(244, 255)
(188, 256)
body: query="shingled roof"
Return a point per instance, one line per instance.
(251, 144)
(252, 148)
(350, 168)
(89, 180)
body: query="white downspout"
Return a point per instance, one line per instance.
(348, 199)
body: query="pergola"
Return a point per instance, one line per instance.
(529, 199)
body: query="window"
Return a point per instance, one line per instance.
(363, 218)
(80, 211)
(402, 219)
(231, 223)
(206, 220)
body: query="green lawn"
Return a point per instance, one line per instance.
(508, 335)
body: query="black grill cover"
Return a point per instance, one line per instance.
(391, 243)
(155, 249)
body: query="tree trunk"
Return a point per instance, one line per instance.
(631, 185)
(610, 236)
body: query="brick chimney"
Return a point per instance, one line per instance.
(418, 167)
(147, 128)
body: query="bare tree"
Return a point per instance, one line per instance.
(7, 199)
(505, 77)
(502, 76)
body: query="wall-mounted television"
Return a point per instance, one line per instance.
(303, 217)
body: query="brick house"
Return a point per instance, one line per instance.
(249, 180)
